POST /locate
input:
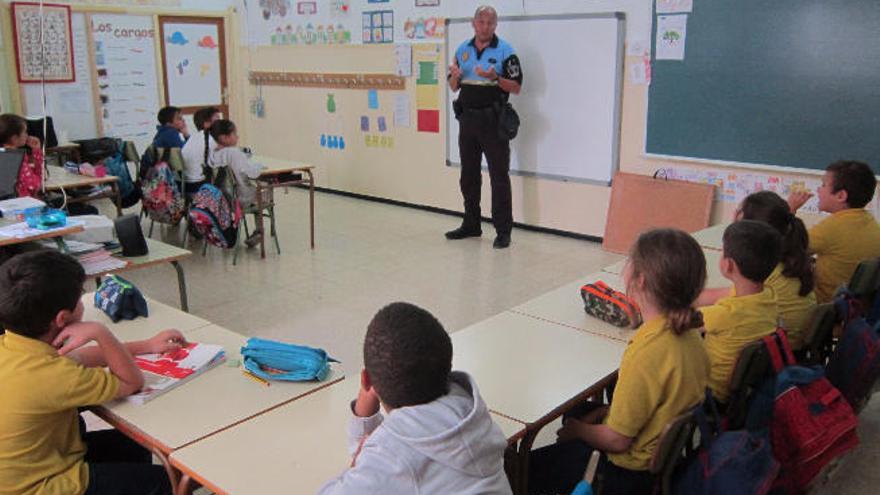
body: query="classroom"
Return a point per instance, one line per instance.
(439, 246)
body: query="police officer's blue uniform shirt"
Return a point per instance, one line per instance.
(478, 91)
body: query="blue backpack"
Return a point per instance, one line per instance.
(726, 463)
(855, 364)
(117, 165)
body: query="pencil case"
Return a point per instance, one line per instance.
(609, 305)
(273, 360)
(120, 299)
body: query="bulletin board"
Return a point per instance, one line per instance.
(194, 62)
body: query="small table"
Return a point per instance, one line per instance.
(160, 317)
(303, 444)
(214, 401)
(533, 371)
(272, 177)
(63, 150)
(59, 178)
(159, 252)
(711, 237)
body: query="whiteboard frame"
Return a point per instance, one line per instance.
(618, 90)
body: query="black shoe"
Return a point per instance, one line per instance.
(502, 241)
(462, 233)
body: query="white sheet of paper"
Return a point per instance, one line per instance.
(403, 60)
(671, 36)
(401, 110)
(674, 6)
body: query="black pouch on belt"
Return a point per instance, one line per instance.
(508, 120)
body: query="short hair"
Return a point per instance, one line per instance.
(856, 178)
(167, 114)
(221, 127)
(754, 246)
(11, 125)
(485, 9)
(34, 287)
(407, 355)
(203, 115)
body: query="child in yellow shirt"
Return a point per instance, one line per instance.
(851, 234)
(792, 280)
(48, 371)
(663, 374)
(751, 251)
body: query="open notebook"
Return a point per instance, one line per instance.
(163, 372)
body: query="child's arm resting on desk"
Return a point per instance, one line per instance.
(118, 359)
(162, 342)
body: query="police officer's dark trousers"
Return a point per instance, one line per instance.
(478, 134)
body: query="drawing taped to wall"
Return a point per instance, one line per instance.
(309, 34)
(378, 26)
(274, 8)
(425, 28)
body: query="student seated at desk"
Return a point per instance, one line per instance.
(197, 150)
(244, 172)
(663, 374)
(48, 371)
(171, 131)
(751, 252)
(792, 280)
(436, 435)
(13, 134)
(851, 234)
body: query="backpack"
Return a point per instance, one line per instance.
(855, 364)
(162, 195)
(726, 462)
(117, 165)
(216, 216)
(810, 423)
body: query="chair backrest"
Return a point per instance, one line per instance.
(676, 443)
(818, 335)
(864, 280)
(752, 368)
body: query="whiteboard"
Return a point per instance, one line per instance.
(192, 64)
(71, 105)
(570, 100)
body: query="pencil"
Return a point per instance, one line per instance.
(255, 378)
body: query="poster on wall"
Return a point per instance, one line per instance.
(193, 57)
(125, 61)
(286, 22)
(43, 44)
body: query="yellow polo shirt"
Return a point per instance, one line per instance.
(840, 242)
(41, 450)
(662, 375)
(732, 323)
(793, 308)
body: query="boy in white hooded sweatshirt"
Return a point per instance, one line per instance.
(436, 435)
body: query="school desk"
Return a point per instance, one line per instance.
(282, 173)
(564, 306)
(160, 317)
(711, 237)
(58, 178)
(533, 371)
(158, 253)
(713, 273)
(295, 448)
(55, 234)
(218, 399)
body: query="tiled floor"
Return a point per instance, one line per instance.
(369, 254)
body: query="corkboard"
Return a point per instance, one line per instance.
(641, 202)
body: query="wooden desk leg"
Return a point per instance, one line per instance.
(62, 246)
(183, 487)
(181, 285)
(311, 207)
(117, 196)
(522, 462)
(169, 469)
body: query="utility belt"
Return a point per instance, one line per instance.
(508, 119)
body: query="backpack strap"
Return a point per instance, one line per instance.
(779, 349)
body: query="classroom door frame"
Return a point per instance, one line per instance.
(221, 41)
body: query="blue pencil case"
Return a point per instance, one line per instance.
(273, 360)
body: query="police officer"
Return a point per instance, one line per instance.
(487, 70)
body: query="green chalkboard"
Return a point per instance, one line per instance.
(792, 83)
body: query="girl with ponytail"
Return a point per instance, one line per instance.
(792, 280)
(198, 149)
(664, 373)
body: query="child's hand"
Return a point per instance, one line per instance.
(797, 199)
(33, 142)
(367, 403)
(571, 430)
(166, 341)
(76, 335)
